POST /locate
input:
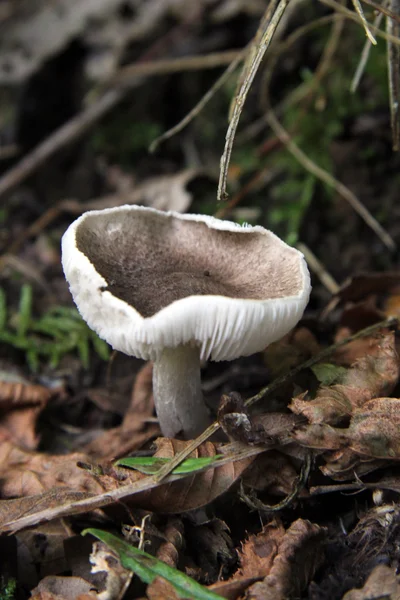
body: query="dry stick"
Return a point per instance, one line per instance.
(359, 10)
(301, 156)
(383, 9)
(175, 65)
(327, 178)
(200, 105)
(353, 17)
(83, 121)
(269, 389)
(318, 268)
(393, 57)
(298, 93)
(320, 71)
(116, 495)
(266, 31)
(364, 57)
(61, 137)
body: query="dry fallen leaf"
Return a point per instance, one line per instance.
(298, 554)
(73, 490)
(259, 551)
(63, 588)
(373, 432)
(372, 376)
(20, 405)
(293, 349)
(285, 561)
(193, 491)
(381, 584)
(135, 429)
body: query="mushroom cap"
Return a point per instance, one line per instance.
(145, 280)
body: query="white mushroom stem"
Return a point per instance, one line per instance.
(177, 392)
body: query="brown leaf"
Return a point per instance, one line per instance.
(193, 491)
(63, 588)
(373, 433)
(362, 285)
(161, 589)
(12, 510)
(112, 489)
(117, 578)
(259, 551)
(232, 589)
(375, 429)
(135, 429)
(382, 583)
(297, 557)
(29, 473)
(272, 472)
(293, 349)
(20, 404)
(19, 393)
(169, 550)
(370, 377)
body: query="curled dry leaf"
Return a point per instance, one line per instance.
(166, 192)
(135, 429)
(382, 583)
(370, 377)
(273, 473)
(298, 554)
(169, 550)
(259, 551)
(20, 405)
(285, 561)
(117, 578)
(22, 393)
(63, 588)
(373, 432)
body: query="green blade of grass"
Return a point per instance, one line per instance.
(151, 464)
(148, 568)
(25, 310)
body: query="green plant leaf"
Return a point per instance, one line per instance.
(327, 374)
(151, 464)
(25, 310)
(148, 568)
(3, 309)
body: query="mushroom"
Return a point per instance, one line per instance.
(181, 288)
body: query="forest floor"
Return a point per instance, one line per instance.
(304, 503)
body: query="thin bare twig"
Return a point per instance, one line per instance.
(318, 268)
(393, 58)
(329, 180)
(359, 11)
(262, 41)
(200, 105)
(382, 8)
(60, 138)
(126, 75)
(74, 128)
(364, 57)
(350, 14)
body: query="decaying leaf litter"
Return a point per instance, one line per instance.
(293, 491)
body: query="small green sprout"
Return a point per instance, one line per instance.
(59, 331)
